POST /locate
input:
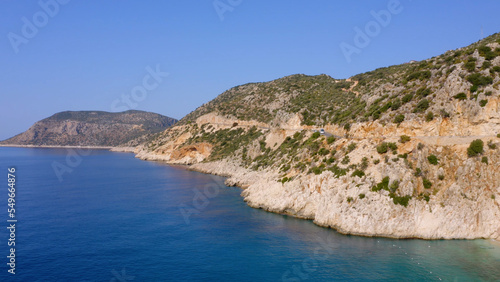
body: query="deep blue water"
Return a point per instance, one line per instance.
(117, 218)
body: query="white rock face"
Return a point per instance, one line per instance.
(323, 198)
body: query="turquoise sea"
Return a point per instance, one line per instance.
(94, 215)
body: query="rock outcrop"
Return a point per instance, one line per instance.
(92, 128)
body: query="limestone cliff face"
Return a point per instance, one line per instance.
(397, 158)
(457, 212)
(92, 129)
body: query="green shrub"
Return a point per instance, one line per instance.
(382, 148)
(427, 183)
(349, 199)
(301, 166)
(397, 200)
(358, 173)
(429, 116)
(285, 167)
(384, 184)
(433, 159)
(315, 135)
(488, 93)
(483, 103)
(404, 138)
(470, 65)
(323, 152)
(330, 139)
(337, 171)
(487, 53)
(421, 106)
(262, 144)
(420, 75)
(491, 145)
(486, 65)
(351, 147)
(364, 163)
(330, 161)
(407, 98)
(418, 172)
(386, 107)
(318, 170)
(396, 104)
(376, 162)
(394, 186)
(399, 119)
(475, 148)
(392, 146)
(427, 198)
(423, 92)
(484, 160)
(441, 177)
(345, 160)
(460, 96)
(362, 196)
(479, 80)
(498, 135)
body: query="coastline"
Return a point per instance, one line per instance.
(57, 146)
(321, 198)
(123, 149)
(110, 148)
(244, 184)
(260, 190)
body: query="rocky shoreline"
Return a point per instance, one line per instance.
(322, 198)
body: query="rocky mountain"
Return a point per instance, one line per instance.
(408, 151)
(92, 128)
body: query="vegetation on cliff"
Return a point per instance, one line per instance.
(269, 126)
(390, 93)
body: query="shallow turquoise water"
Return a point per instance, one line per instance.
(116, 218)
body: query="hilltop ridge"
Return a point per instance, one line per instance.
(92, 128)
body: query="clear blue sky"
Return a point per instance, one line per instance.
(89, 53)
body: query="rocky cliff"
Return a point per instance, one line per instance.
(409, 151)
(92, 128)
